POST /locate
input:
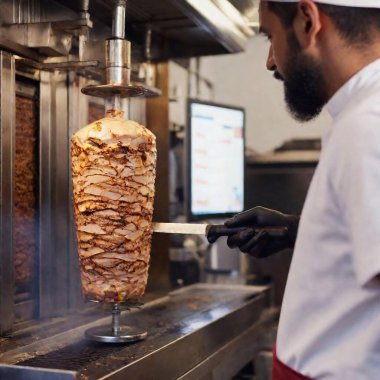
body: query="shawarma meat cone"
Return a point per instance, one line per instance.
(113, 171)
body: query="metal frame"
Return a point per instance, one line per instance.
(54, 198)
(7, 142)
(77, 118)
(54, 194)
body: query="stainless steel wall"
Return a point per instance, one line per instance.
(7, 139)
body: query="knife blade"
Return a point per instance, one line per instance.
(180, 228)
(212, 231)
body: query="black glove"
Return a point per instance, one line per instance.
(260, 239)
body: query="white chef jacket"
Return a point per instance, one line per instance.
(330, 319)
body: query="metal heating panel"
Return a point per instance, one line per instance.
(183, 330)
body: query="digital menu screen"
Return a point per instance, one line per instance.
(216, 159)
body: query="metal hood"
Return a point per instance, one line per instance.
(182, 28)
(221, 19)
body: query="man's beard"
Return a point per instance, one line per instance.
(304, 84)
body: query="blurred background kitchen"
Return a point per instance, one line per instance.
(225, 143)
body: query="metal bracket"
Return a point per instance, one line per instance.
(51, 38)
(62, 66)
(41, 36)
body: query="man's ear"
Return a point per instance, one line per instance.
(307, 23)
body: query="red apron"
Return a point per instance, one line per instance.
(282, 372)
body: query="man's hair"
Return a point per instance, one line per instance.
(354, 24)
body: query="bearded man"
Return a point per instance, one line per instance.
(327, 53)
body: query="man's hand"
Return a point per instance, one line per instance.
(262, 243)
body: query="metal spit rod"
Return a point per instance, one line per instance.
(84, 8)
(118, 22)
(120, 58)
(116, 102)
(84, 31)
(148, 44)
(116, 318)
(116, 333)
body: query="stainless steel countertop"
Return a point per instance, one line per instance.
(184, 329)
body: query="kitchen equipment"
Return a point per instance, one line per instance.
(118, 85)
(60, 110)
(118, 63)
(212, 231)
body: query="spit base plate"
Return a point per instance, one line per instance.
(124, 334)
(110, 90)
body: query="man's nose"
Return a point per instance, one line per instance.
(271, 63)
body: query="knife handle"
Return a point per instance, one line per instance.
(215, 231)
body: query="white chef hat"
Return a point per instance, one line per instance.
(343, 3)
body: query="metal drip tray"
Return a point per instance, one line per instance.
(184, 329)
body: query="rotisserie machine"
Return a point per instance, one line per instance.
(118, 86)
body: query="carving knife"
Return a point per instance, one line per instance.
(212, 231)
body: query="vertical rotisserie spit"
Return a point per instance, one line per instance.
(113, 170)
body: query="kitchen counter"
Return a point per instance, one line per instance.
(201, 330)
